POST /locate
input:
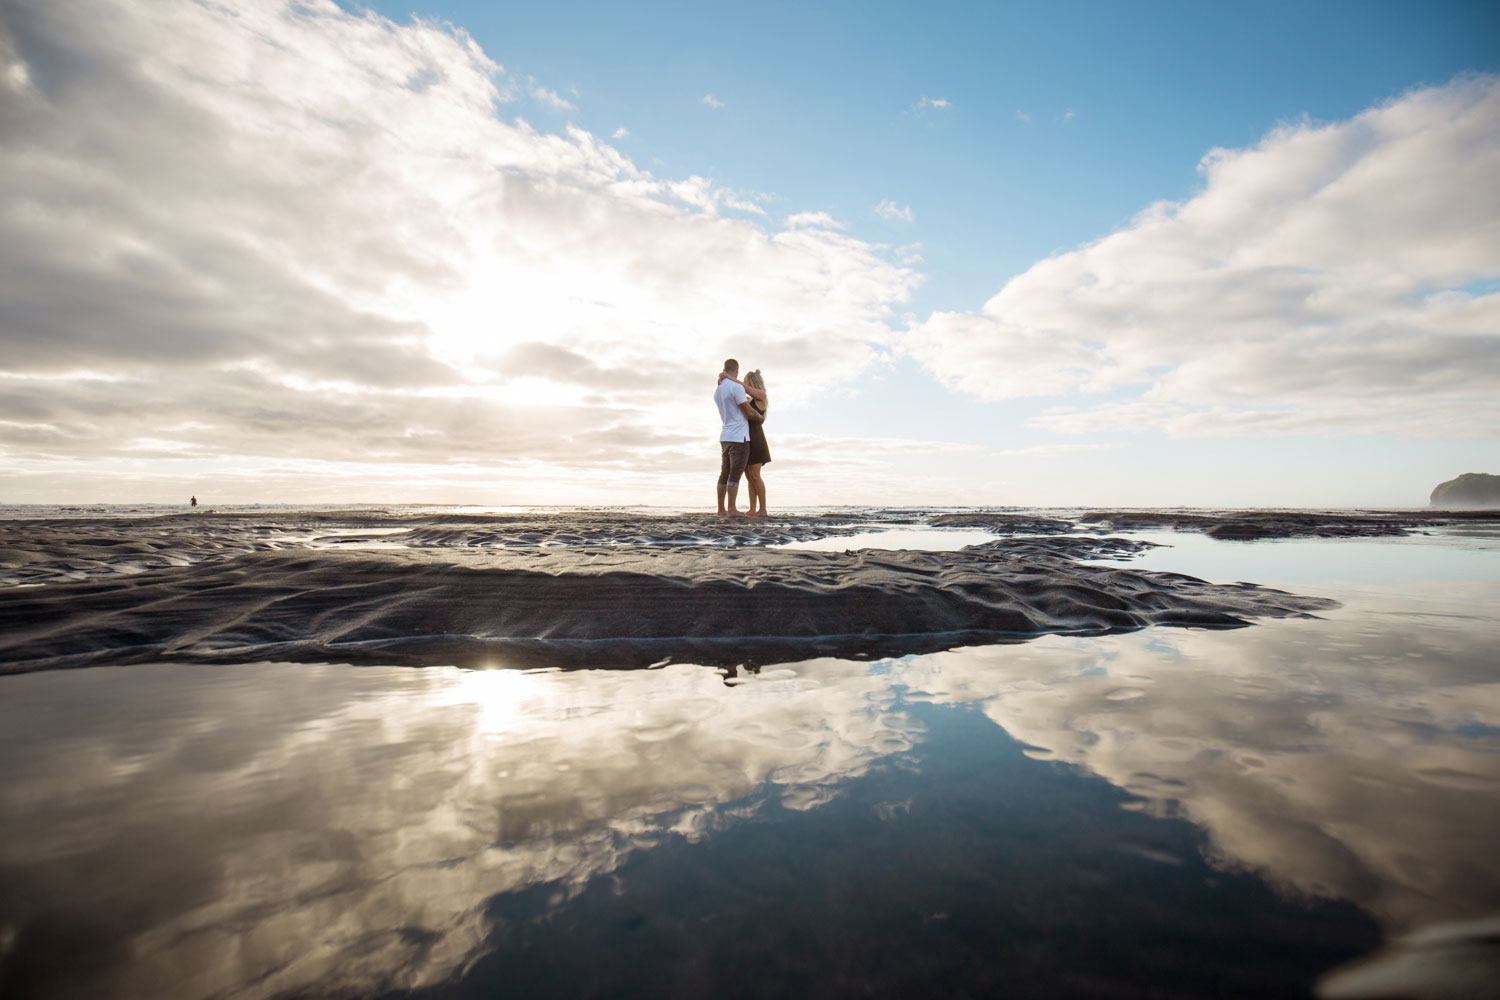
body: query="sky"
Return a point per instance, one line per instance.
(1055, 254)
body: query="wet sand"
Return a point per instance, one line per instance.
(568, 589)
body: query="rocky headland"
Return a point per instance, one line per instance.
(1468, 491)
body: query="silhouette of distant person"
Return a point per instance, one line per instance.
(193, 501)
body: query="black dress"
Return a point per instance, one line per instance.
(760, 452)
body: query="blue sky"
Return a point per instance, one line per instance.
(820, 101)
(1092, 253)
(1058, 123)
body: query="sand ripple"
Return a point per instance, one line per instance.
(592, 604)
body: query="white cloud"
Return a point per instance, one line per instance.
(820, 220)
(934, 103)
(1323, 281)
(703, 194)
(300, 235)
(1022, 116)
(548, 97)
(909, 254)
(888, 209)
(1069, 115)
(620, 133)
(742, 205)
(712, 101)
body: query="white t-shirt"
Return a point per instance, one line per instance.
(728, 397)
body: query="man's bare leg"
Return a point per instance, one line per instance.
(730, 470)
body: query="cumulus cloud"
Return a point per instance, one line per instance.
(294, 234)
(708, 197)
(931, 103)
(1022, 116)
(712, 101)
(1333, 278)
(888, 209)
(620, 133)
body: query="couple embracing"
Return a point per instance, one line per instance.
(742, 442)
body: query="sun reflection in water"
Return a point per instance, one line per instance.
(507, 701)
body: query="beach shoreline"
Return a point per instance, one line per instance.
(591, 587)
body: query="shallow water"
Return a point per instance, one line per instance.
(1438, 554)
(1169, 812)
(924, 539)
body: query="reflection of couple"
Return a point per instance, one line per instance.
(742, 442)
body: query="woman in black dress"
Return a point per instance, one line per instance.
(760, 452)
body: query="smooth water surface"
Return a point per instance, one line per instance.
(926, 539)
(1169, 812)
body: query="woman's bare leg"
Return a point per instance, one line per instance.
(757, 490)
(752, 476)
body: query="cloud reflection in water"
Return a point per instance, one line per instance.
(292, 825)
(1358, 762)
(271, 828)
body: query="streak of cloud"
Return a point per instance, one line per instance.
(549, 97)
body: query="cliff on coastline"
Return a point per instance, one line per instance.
(1472, 489)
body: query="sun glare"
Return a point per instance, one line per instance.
(506, 699)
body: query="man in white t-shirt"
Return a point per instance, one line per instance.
(734, 439)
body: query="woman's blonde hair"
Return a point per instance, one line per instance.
(754, 380)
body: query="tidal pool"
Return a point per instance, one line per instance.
(924, 539)
(1165, 813)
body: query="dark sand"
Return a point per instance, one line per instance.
(578, 588)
